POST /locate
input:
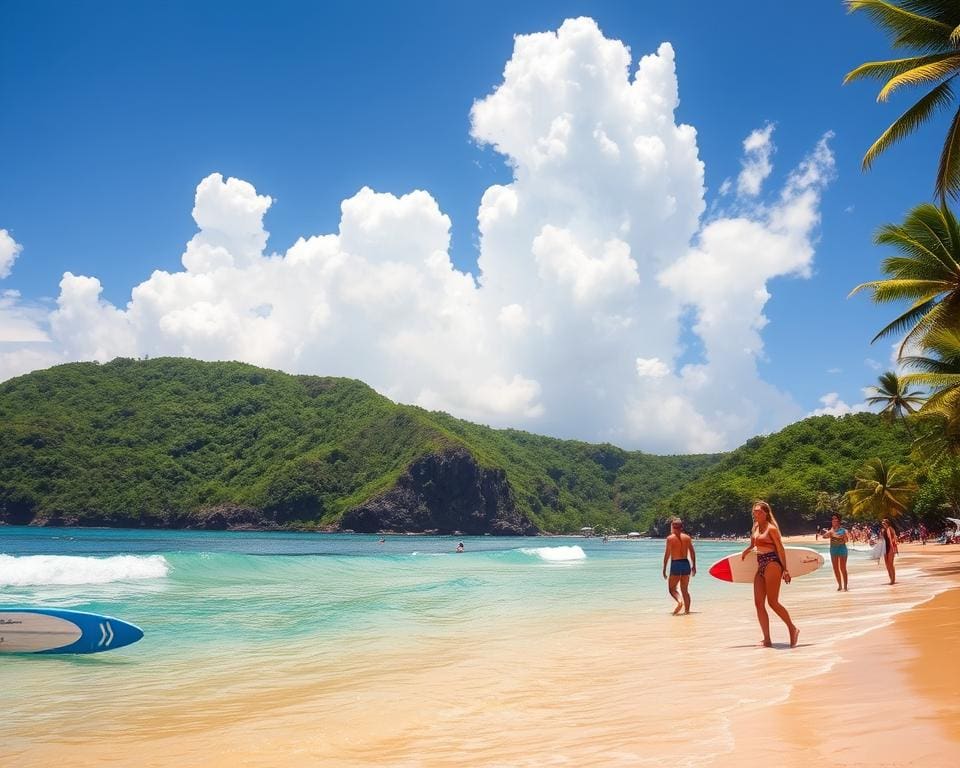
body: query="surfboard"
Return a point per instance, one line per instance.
(55, 630)
(800, 562)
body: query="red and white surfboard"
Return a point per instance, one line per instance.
(800, 562)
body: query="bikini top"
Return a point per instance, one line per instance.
(764, 538)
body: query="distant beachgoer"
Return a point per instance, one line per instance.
(771, 559)
(889, 534)
(838, 550)
(683, 564)
(923, 534)
(382, 540)
(460, 547)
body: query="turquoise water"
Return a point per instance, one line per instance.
(253, 640)
(187, 589)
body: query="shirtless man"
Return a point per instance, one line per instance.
(679, 547)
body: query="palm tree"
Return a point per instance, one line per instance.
(882, 490)
(939, 372)
(939, 439)
(927, 272)
(930, 29)
(895, 396)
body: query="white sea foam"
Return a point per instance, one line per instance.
(556, 554)
(44, 570)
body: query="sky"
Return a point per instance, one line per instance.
(629, 222)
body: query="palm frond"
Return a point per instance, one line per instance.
(948, 172)
(908, 318)
(925, 73)
(887, 70)
(917, 290)
(910, 120)
(929, 225)
(946, 11)
(904, 27)
(943, 315)
(953, 228)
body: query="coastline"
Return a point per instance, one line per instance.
(891, 699)
(619, 683)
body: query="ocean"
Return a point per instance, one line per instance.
(296, 648)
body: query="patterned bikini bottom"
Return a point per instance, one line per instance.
(765, 558)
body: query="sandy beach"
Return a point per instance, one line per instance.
(873, 682)
(893, 698)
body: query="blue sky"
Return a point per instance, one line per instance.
(115, 111)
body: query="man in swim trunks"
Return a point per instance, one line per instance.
(683, 564)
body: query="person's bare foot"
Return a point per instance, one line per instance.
(676, 611)
(765, 643)
(794, 636)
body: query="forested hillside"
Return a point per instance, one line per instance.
(788, 469)
(181, 443)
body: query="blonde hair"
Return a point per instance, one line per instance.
(771, 520)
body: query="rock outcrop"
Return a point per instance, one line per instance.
(443, 493)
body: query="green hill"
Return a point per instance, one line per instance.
(177, 442)
(787, 469)
(181, 443)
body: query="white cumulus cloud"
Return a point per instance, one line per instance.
(592, 259)
(756, 164)
(834, 406)
(9, 250)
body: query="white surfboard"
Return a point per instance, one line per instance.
(800, 562)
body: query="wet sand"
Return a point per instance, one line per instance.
(893, 698)
(632, 688)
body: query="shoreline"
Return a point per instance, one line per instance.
(892, 698)
(618, 684)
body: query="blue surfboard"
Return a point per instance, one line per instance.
(55, 630)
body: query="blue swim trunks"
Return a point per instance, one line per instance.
(680, 567)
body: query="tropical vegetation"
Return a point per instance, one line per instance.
(882, 490)
(930, 31)
(156, 442)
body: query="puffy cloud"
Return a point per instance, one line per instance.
(756, 165)
(20, 323)
(834, 406)
(652, 367)
(591, 260)
(9, 250)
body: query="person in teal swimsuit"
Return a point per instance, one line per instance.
(838, 550)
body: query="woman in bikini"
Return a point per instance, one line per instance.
(771, 558)
(889, 534)
(838, 550)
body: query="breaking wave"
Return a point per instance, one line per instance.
(44, 570)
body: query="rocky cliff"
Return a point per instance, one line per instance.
(443, 493)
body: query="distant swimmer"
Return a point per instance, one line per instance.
(382, 540)
(683, 564)
(460, 547)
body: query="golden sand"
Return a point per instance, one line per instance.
(637, 688)
(892, 700)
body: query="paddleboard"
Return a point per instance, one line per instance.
(55, 630)
(800, 562)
